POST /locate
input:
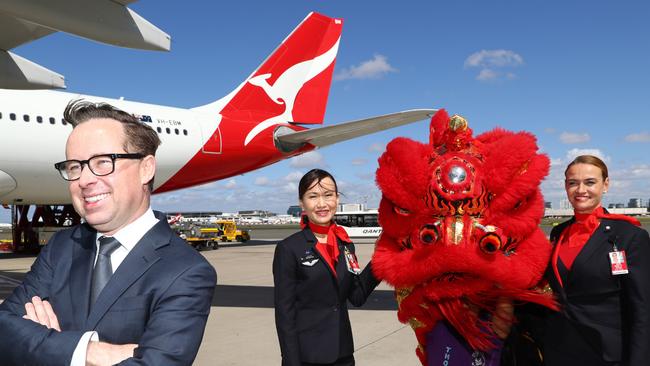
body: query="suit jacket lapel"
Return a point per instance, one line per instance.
(592, 246)
(311, 241)
(341, 265)
(83, 257)
(136, 263)
(556, 236)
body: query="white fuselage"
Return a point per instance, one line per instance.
(29, 149)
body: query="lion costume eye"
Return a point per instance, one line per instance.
(401, 211)
(490, 243)
(429, 234)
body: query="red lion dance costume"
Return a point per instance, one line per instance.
(460, 220)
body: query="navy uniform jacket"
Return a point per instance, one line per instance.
(311, 312)
(159, 298)
(605, 319)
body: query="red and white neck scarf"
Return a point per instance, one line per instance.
(330, 249)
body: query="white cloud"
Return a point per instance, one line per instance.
(261, 181)
(310, 160)
(293, 176)
(377, 147)
(230, 184)
(492, 62)
(366, 175)
(640, 171)
(574, 138)
(290, 188)
(360, 191)
(573, 153)
(638, 137)
(556, 161)
(370, 69)
(290, 182)
(359, 161)
(494, 58)
(549, 130)
(487, 74)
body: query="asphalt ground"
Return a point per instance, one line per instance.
(241, 325)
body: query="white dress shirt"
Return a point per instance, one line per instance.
(128, 237)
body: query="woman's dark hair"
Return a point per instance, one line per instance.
(591, 160)
(312, 178)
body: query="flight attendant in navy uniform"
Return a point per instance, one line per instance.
(600, 273)
(315, 273)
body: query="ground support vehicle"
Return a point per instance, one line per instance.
(230, 232)
(199, 237)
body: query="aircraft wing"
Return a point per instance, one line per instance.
(111, 22)
(289, 140)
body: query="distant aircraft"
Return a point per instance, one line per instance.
(259, 123)
(174, 219)
(23, 21)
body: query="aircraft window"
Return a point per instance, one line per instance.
(168, 130)
(185, 132)
(26, 117)
(52, 120)
(176, 131)
(63, 122)
(39, 119)
(0, 115)
(12, 116)
(159, 129)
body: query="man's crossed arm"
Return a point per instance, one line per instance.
(97, 354)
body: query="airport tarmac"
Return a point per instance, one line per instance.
(241, 326)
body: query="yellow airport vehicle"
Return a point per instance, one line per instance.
(198, 237)
(6, 246)
(229, 231)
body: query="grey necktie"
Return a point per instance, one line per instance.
(103, 269)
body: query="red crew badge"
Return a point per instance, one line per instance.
(351, 262)
(617, 258)
(618, 262)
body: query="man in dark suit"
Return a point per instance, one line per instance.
(120, 288)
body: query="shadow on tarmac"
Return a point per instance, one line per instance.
(262, 297)
(231, 295)
(250, 243)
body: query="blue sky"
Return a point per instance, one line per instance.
(574, 73)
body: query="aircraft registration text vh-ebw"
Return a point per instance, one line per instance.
(259, 123)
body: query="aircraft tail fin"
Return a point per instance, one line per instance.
(293, 83)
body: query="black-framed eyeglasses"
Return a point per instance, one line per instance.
(100, 165)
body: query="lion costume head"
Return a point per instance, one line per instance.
(460, 220)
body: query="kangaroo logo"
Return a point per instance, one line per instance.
(286, 87)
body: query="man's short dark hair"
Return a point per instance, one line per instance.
(140, 137)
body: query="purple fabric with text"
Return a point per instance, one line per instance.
(445, 348)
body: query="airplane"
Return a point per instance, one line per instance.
(174, 219)
(111, 22)
(262, 121)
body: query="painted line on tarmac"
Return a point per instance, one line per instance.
(381, 338)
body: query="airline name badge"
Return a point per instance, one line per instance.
(618, 262)
(351, 262)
